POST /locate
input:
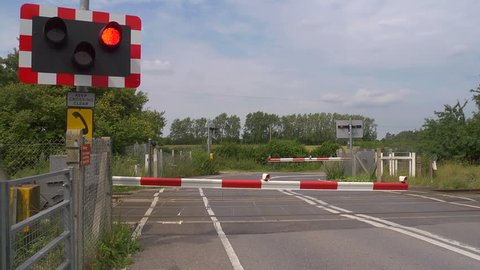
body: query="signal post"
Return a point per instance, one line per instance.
(80, 48)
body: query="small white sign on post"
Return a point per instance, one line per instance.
(80, 100)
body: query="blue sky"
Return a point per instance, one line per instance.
(394, 61)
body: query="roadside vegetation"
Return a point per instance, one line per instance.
(116, 248)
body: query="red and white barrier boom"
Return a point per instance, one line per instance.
(307, 159)
(254, 184)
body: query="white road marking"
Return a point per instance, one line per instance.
(458, 197)
(467, 205)
(444, 195)
(449, 244)
(426, 197)
(423, 232)
(454, 203)
(170, 222)
(143, 221)
(223, 237)
(311, 202)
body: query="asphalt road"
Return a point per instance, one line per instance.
(269, 229)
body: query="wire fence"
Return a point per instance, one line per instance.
(149, 160)
(21, 160)
(97, 201)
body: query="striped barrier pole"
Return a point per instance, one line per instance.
(307, 159)
(255, 184)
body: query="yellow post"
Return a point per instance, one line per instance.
(27, 203)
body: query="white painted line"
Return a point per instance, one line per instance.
(467, 205)
(143, 221)
(449, 244)
(317, 200)
(170, 222)
(340, 209)
(223, 237)
(423, 232)
(332, 209)
(449, 196)
(458, 197)
(426, 197)
(306, 200)
(311, 202)
(328, 209)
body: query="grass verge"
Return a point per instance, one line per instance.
(116, 248)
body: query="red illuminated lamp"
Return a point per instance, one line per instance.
(111, 35)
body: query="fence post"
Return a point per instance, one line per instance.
(68, 218)
(4, 223)
(108, 175)
(155, 162)
(73, 142)
(414, 163)
(160, 161)
(379, 165)
(391, 166)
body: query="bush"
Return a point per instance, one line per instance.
(202, 164)
(279, 148)
(326, 149)
(334, 170)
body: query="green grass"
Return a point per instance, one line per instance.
(116, 248)
(451, 176)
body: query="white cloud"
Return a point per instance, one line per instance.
(157, 66)
(367, 98)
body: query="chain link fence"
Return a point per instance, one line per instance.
(20, 160)
(97, 198)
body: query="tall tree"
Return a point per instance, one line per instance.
(260, 127)
(199, 130)
(32, 113)
(228, 127)
(9, 68)
(181, 131)
(446, 136)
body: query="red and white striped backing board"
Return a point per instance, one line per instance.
(254, 184)
(27, 75)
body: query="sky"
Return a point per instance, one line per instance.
(394, 61)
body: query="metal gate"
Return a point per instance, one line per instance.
(44, 238)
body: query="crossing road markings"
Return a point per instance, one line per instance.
(437, 240)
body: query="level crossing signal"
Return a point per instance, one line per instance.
(66, 46)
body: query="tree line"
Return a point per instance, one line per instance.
(261, 127)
